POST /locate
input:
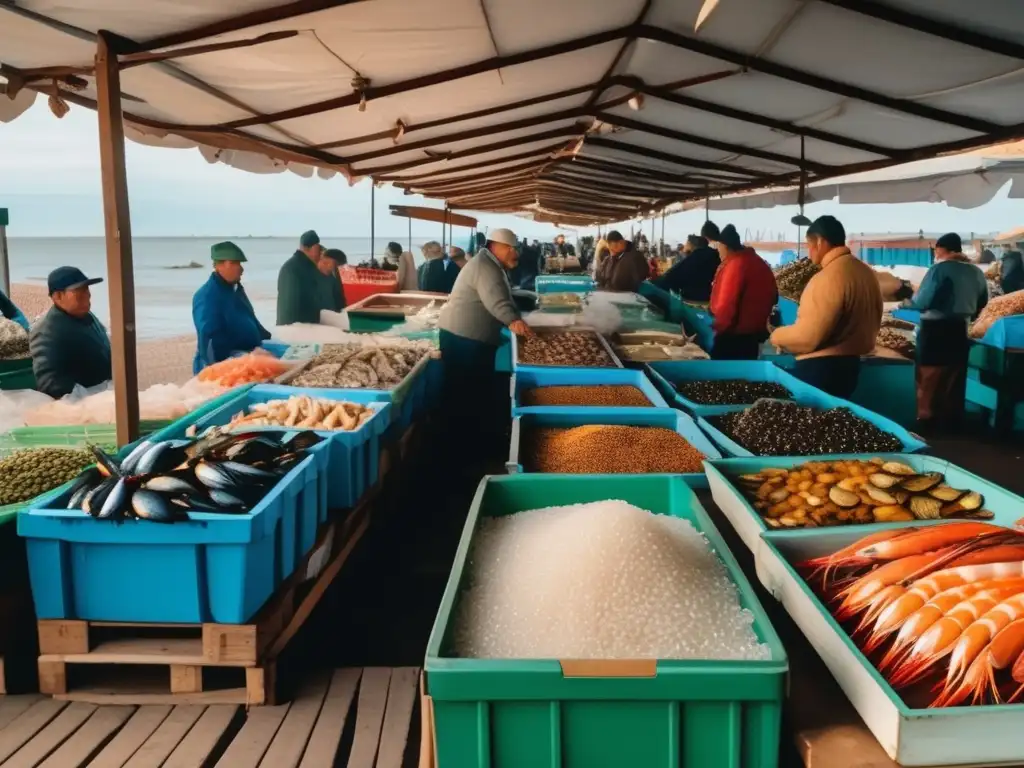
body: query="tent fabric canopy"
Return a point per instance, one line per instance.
(967, 180)
(567, 110)
(433, 214)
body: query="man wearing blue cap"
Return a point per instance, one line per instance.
(225, 321)
(302, 290)
(69, 345)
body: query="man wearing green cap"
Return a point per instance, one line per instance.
(302, 290)
(225, 321)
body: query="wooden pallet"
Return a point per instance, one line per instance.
(127, 663)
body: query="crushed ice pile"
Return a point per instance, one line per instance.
(604, 580)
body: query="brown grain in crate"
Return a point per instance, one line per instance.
(621, 396)
(565, 348)
(610, 449)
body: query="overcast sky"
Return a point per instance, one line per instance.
(50, 181)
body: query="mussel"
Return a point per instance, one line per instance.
(149, 505)
(116, 502)
(921, 483)
(130, 461)
(162, 457)
(81, 486)
(170, 484)
(94, 500)
(883, 480)
(925, 507)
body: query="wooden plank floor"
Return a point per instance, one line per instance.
(352, 717)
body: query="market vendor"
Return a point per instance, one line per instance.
(742, 299)
(11, 312)
(408, 280)
(952, 294)
(839, 315)
(624, 268)
(1011, 268)
(693, 275)
(332, 259)
(301, 289)
(470, 332)
(225, 321)
(438, 272)
(69, 345)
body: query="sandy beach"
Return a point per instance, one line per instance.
(161, 361)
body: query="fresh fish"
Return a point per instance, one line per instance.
(303, 440)
(81, 486)
(116, 502)
(212, 476)
(170, 484)
(160, 458)
(130, 461)
(93, 502)
(149, 505)
(247, 473)
(194, 502)
(227, 502)
(104, 463)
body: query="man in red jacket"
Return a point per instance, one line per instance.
(742, 298)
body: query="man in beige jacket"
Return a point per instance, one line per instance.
(839, 315)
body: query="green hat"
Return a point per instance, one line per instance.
(309, 239)
(227, 251)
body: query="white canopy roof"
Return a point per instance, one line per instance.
(570, 110)
(966, 180)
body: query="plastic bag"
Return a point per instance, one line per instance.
(14, 404)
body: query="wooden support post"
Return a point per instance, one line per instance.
(5, 264)
(186, 679)
(118, 230)
(373, 221)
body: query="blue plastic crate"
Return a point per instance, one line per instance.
(352, 465)
(818, 399)
(276, 348)
(564, 284)
(589, 377)
(667, 374)
(636, 417)
(787, 310)
(212, 568)
(517, 366)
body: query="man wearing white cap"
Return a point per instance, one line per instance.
(479, 309)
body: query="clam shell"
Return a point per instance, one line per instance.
(883, 480)
(945, 493)
(880, 495)
(898, 468)
(843, 498)
(920, 483)
(925, 507)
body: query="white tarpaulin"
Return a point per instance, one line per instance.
(968, 180)
(571, 110)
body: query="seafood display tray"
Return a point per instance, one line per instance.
(1006, 506)
(817, 399)
(634, 417)
(408, 398)
(667, 374)
(353, 456)
(403, 304)
(974, 735)
(524, 379)
(564, 284)
(517, 366)
(212, 567)
(539, 712)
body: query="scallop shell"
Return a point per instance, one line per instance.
(898, 468)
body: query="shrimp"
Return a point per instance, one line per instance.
(844, 557)
(939, 639)
(1005, 646)
(975, 638)
(927, 540)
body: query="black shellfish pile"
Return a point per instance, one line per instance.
(731, 391)
(162, 481)
(779, 428)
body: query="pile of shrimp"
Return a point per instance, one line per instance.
(247, 369)
(949, 594)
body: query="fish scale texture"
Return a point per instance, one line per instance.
(605, 580)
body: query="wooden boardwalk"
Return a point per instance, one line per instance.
(353, 717)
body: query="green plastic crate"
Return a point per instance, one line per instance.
(498, 713)
(102, 435)
(18, 378)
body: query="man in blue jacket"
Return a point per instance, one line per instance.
(225, 321)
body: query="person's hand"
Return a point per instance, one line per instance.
(520, 328)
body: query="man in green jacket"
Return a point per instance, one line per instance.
(302, 290)
(69, 345)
